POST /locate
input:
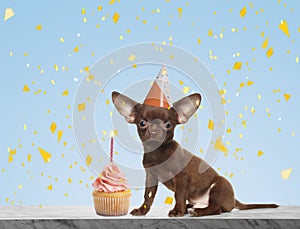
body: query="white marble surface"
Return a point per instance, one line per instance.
(88, 212)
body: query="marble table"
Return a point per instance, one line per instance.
(85, 217)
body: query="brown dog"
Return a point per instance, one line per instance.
(165, 161)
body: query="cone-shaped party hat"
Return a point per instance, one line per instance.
(159, 94)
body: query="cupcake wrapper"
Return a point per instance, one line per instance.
(111, 206)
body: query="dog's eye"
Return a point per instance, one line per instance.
(142, 123)
(168, 125)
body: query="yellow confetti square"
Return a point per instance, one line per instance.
(249, 83)
(114, 133)
(285, 174)
(220, 146)
(116, 18)
(76, 49)
(260, 153)
(53, 127)
(88, 160)
(62, 40)
(38, 27)
(81, 107)
(237, 65)
(65, 93)
(45, 155)
(270, 52)
(169, 200)
(50, 187)
(287, 97)
(83, 11)
(211, 124)
(29, 157)
(186, 89)
(55, 67)
(107, 102)
(243, 12)
(210, 33)
(59, 135)
(283, 26)
(26, 88)
(9, 13)
(69, 180)
(132, 58)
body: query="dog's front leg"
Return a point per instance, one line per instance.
(150, 191)
(180, 197)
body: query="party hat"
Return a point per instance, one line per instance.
(159, 94)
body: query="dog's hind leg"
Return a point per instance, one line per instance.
(221, 199)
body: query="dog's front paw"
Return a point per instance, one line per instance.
(138, 211)
(175, 213)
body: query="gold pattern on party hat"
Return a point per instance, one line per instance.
(159, 94)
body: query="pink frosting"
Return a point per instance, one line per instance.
(111, 180)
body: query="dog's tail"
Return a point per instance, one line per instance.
(242, 206)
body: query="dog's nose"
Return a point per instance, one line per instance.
(154, 129)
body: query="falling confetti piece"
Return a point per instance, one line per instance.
(287, 97)
(62, 40)
(26, 88)
(53, 127)
(45, 155)
(76, 49)
(249, 83)
(243, 12)
(260, 153)
(59, 135)
(285, 174)
(112, 2)
(283, 26)
(9, 13)
(220, 146)
(179, 11)
(81, 107)
(150, 194)
(132, 58)
(211, 124)
(237, 65)
(116, 17)
(270, 52)
(38, 27)
(65, 93)
(20, 186)
(55, 67)
(114, 133)
(265, 43)
(210, 33)
(50, 187)
(169, 200)
(199, 41)
(297, 59)
(83, 11)
(88, 160)
(107, 102)
(244, 123)
(69, 180)
(186, 90)
(29, 157)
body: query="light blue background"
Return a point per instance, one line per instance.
(256, 179)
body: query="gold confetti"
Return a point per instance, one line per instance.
(83, 11)
(199, 41)
(186, 89)
(211, 124)
(45, 155)
(53, 127)
(116, 17)
(220, 146)
(270, 52)
(114, 133)
(76, 49)
(210, 33)
(38, 27)
(26, 88)
(265, 43)
(285, 174)
(55, 67)
(50, 187)
(297, 59)
(107, 102)
(132, 58)
(65, 93)
(9, 13)
(244, 123)
(243, 12)
(249, 83)
(84, 20)
(52, 82)
(59, 135)
(259, 96)
(81, 107)
(287, 97)
(69, 180)
(112, 2)
(20, 186)
(169, 200)
(283, 26)
(260, 153)
(179, 11)
(88, 160)
(237, 65)
(99, 8)
(29, 157)
(62, 40)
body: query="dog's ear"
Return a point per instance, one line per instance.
(186, 107)
(124, 105)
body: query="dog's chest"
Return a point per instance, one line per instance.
(201, 201)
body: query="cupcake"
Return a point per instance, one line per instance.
(111, 195)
